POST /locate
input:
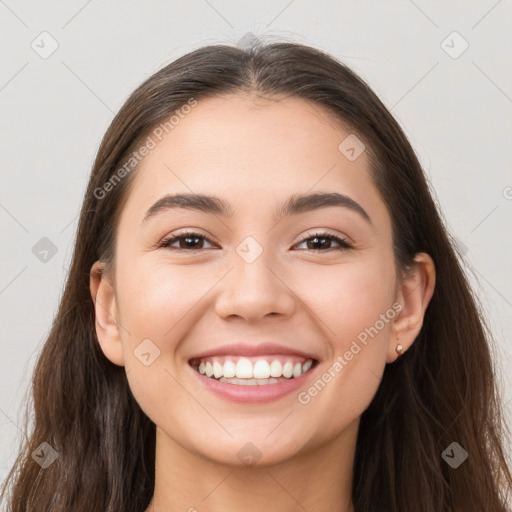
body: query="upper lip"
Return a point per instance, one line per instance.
(248, 350)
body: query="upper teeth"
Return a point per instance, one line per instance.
(261, 369)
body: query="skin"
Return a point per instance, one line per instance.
(255, 152)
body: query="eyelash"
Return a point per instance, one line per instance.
(344, 244)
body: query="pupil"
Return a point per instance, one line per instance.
(188, 238)
(316, 239)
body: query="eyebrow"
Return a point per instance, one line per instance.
(295, 204)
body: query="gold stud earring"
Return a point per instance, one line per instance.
(400, 349)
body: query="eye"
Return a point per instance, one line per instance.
(190, 241)
(323, 238)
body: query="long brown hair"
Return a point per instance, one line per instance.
(442, 390)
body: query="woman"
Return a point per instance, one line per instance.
(264, 311)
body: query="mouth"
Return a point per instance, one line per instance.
(253, 371)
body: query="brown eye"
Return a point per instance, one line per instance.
(321, 242)
(188, 241)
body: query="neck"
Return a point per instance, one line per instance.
(318, 479)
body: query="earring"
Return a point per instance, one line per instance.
(399, 349)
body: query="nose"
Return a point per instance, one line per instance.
(255, 290)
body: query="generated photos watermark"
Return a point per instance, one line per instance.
(150, 143)
(305, 397)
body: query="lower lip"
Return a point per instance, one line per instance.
(253, 394)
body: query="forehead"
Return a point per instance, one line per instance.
(251, 149)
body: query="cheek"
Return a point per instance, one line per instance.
(348, 298)
(354, 309)
(156, 300)
(161, 303)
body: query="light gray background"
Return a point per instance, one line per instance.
(457, 113)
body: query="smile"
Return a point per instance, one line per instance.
(252, 371)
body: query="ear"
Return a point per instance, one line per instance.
(105, 307)
(414, 293)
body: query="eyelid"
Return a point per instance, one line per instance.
(344, 242)
(182, 234)
(311, 233)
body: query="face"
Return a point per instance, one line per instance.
(320, 281)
